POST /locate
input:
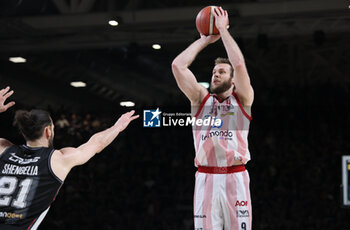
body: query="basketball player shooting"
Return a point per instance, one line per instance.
(32, 174)
(222, 196)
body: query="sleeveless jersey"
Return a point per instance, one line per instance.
(225, 144)
(27, 186)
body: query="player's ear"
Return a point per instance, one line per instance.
(47, 131)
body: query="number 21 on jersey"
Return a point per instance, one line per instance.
(8, 187)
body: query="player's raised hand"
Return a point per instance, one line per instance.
(4, 94)
(221, 18)
(125, 119)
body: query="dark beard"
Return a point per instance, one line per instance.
(51, 142)
(221, 88)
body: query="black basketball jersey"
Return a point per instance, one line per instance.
(27, 187)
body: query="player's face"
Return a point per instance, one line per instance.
(221, 80)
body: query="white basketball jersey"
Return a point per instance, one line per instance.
(226, 144)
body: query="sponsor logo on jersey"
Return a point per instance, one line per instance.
(226, 114)
(223, 108)
(11, 215)
(21, 160)
(151, 118)
(238, 158)
(242, 213)
(241, 203)
(223, 135)
(200, 216)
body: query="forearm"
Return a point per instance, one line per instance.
(102, 139)
(186, 58)
(99, 141)
(241, 79)
(233, 51)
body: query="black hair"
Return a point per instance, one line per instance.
(32, 123)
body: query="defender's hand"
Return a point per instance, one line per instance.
(4, 94)
(125, 119)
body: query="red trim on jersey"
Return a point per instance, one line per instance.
(202, 104)
(219, 99)
(32, 224)
(221, 170)
(54, 198)
(240, 106)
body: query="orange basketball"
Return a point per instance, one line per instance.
(205, 21)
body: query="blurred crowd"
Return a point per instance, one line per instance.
(76, 128)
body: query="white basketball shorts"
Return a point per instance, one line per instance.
(222, 200)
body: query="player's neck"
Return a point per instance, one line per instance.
(38, 143)
(225, 94)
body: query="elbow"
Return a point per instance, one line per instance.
(175, 68)
(100, 146)
(239, 64)
(175, 65)
(97, 143)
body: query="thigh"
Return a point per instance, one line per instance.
(207, 208)
(237, 209)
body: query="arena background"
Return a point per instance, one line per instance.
(297, 54)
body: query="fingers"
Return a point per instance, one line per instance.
(219, 11)
(6, 95)
(222, 12)
(215, 12)
(130, 116)
(8, 105)
(3, 108)
(4, 91)
(131, 113)
(134, 117)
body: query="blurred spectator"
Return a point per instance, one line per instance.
(62, 122)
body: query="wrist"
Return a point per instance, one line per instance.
(202, 40)
(222, 29)
(117, 128)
